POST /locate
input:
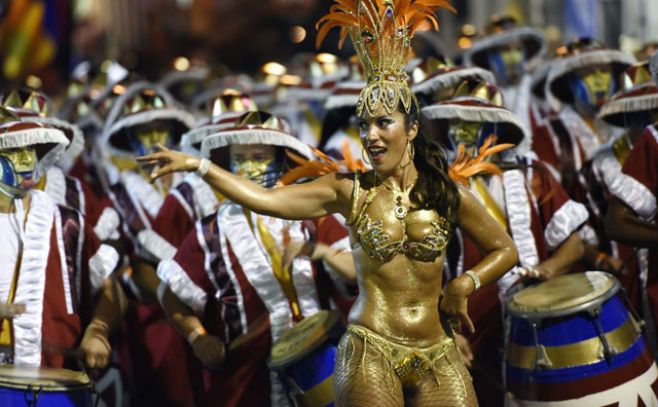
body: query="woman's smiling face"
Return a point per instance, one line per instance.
(385, 138)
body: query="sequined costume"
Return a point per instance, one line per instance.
(378, 244)
(432, 376)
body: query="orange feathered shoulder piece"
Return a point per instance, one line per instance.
(465, 166)
(462, 168)
(324, 165)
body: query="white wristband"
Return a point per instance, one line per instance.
(204, 165)
(476, 279)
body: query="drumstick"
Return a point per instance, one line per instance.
(259, 326)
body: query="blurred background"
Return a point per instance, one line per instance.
(42, 41)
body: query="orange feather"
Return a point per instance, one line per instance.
(464, 166)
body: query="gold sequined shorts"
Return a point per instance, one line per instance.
(373, 371)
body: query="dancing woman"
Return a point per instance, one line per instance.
(402, 214)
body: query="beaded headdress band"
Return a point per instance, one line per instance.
(381, 31)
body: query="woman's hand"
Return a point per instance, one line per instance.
(455, 303)
(167, 161)
(464, 349)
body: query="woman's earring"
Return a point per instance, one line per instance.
(364, 155)
(412, 152)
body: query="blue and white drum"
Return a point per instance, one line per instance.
(304, 359)
(37, 387)
(574, 342)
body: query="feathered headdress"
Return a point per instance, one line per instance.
(381, 31)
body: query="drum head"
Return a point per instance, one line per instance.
(22, 377)
(563, 295)
(302, 339)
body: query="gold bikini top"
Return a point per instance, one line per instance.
(379, 245)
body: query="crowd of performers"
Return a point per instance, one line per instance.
(168, 293)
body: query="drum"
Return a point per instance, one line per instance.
(573, 341)
(33, 386)
(304, 359)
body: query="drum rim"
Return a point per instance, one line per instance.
(333, 318)
(83, 381)
(539, 315)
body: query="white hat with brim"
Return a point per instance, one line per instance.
(450, 77)
(49, 142)
(533, 40)
(216, 146)
(470, 109)
(558, 91)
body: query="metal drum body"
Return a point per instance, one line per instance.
(27, 386)
(573, 342)
(304, 359)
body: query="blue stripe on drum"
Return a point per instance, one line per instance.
(578, 372)
(571, 328)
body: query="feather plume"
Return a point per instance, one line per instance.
(408, 13)
(317, 168)
(464, 166)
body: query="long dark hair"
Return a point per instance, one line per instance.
(434, 189)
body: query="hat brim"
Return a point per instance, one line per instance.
(195, 137)
(512, 129)
(446, 80)
(346, 94)
(48, 142)
(626, 109)
(115, 139)
(533, 41)
(557, 84)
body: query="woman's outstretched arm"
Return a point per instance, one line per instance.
(328, 194)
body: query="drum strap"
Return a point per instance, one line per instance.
(621, 148)
(489, 203)
(314, 124)
(283, 275)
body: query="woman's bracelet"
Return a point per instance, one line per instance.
(198, 331)
(204, 165)
(476, 279)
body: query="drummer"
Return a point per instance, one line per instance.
(44, 313)
(632, 213)
(229, 291)
(526, 199)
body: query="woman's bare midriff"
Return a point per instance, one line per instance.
(399, 299)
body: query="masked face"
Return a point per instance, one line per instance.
(592, 88)
(466, 133)
(18, 169)
(148, 137)
(256, 162)
(507, 64)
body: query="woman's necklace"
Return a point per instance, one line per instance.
(401, 200)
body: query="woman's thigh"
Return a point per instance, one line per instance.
(363, 377)
(448, 385)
